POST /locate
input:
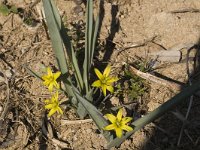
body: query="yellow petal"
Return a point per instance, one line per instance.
(96, 83)
(127, 128)
(126, 119)
(49, 106)
(49, 72)
(50, 87)
(109, 127)
(51, 112)
(112, 79)
(60, 110)
(47, 101)
(111, 118)
(56, 85)
(44, 77)
(98, 73)
(110, 88)
(56, 75)
(107, 71)
(118, 132)
(46, 83)
(104, 87)
(119, 115)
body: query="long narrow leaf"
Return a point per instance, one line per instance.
(140, 123)
(88, 38)
(90, 30)
(68, 45)
(55, 36)
(94, 38)
(82, 112)
(53, 23)
(97, 117)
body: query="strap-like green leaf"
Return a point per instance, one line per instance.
(97, 117)
(68, 45)
(88, 40)
(53, 27)
(54, 23)
(94, 38)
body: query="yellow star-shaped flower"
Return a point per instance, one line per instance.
(53, 105)
(105, 81)
(50, 79)
(118, 123)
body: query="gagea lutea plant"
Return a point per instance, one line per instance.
(77, 87)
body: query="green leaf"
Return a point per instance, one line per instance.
(4, 10)
(88, 39)
(81, 109)
(94, 38)
(68, 45)
(158, 112)
(54, 24)
(31, 72)
(54, 32)
(97, 116)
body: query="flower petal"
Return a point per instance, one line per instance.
(127, 128)
(50, 87)
(111, 118)
(119, 115)
(109, 127)
(118, 132)
(110, 88)
(96, 83)
(47, 101)
(49, 72)
(111, 80)
(56, 75)
(59, 110)
(107, 71)
(49, 106)
(44, 77)
(98, 73)
(55, 97)
(56, 85)
(51, 112)
(126, 119)
(104, 87)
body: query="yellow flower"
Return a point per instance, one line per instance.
(53, 105)
(50, 79)
(105, 81)
(118, 123)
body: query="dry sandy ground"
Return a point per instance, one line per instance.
(128, 28)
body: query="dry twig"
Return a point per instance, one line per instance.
(136, 44)
(70, 122)
(155, 79)
(185, 10)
